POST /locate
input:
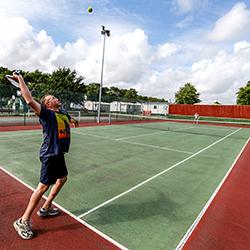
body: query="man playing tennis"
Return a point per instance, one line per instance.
(56, 142)
(196, 118)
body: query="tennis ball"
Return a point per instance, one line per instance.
(90, 9)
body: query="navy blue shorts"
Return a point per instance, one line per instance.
(53, 168)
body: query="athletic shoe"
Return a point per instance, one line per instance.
(52, 211)
(23, 228)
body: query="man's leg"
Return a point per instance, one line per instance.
(34, 200)
(54, 191)
(22, 225)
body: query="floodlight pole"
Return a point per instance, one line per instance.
(105, 33)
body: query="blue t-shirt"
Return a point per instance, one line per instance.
(56, 132)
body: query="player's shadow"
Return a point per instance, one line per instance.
(161, 205)
(53, 227)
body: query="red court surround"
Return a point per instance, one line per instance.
(226, 223)
(61, 232)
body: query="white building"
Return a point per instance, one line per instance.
(76, 106)
(125, 107)
(159, 108)
(93, 106)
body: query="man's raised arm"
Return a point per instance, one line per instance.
(27, 95)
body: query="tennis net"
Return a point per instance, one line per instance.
(205, 127)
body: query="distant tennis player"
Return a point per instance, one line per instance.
(56, 142)
(196, 118)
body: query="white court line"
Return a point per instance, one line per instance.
(157, 147)
(93, 135)
(175, 130)
(135, 143)
(155, 133)
(155, 176)
(14, 134)
(70, 214)
(136, 136)
(24, 133)
(213, 127)
(204, 209)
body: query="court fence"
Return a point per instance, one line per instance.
(14, 111)
(227, 111)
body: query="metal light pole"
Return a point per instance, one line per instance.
(105, 33)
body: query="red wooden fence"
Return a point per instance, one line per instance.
(230, 111)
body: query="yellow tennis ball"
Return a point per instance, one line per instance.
(90, 9)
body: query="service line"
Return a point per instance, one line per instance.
(155, 176)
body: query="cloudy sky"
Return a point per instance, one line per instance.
(156, 46)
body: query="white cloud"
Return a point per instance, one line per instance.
(127, 57)
(21, 48)
(233, 25)
(31, 9)
(185, 22)
(221, 77)
(218, 78)
(186, 6)
(90, 66)
(130, 61)
(242, 46)
(71, 54)
(69, 19)
(163, 83)
(166, 50)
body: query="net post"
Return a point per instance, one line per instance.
(79, 116)
(109, 119)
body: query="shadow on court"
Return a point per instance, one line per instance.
(160, 206)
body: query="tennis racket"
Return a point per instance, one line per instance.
(12, 80)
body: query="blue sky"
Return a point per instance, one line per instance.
(162, 20)
(156, 46)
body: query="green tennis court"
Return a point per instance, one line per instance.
(141, 184)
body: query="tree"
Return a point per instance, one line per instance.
(141, 98)
(217, 103)
(37, 82)
(6, 89)
(68, 86)
(114, 91)
(66, 79)
(92, 91)
(243, 95)
(187, 95)
(63, 83)
(131, 93)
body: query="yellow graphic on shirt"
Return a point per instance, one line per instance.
(62, 125)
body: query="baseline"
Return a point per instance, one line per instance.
(134, 143)
(155, 133)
